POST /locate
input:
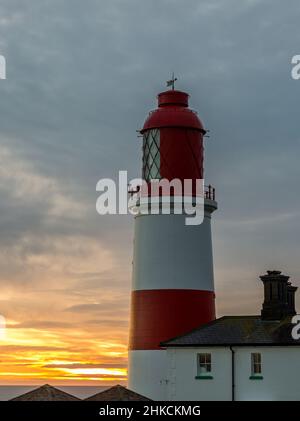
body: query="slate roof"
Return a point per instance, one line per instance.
(46, 393)
(117, 393)
(239, 331)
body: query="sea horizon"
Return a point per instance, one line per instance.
(8, 392)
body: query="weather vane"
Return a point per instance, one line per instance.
(172, 81)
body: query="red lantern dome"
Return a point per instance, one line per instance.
(173, 140)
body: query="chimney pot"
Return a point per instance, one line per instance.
(279, 296)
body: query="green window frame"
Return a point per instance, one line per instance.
(204, 366)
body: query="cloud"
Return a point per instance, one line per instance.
(43, 324)
(75, 366)
(81, 79)
(30, 348)
(101, 307)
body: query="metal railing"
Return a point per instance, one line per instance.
(209, 192)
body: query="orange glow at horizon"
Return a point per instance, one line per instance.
(37, 356)
(66, 308)
(64, 296)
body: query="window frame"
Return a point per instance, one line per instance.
(151, 155)
(204, 365)
(256, 366)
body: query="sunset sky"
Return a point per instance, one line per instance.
(81, 78)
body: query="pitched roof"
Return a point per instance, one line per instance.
(239, 331)
(46, 393)
(117, 393)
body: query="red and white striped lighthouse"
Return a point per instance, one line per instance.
(173, 282)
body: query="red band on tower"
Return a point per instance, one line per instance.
(158, 315)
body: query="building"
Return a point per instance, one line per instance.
(117, 393)
(173, 280)
(46, 393)
(240, 357)
(50, 393)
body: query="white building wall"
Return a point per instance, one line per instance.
(182, 369)
(147, 373)
(280, 371)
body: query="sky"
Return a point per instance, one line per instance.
(81, 78)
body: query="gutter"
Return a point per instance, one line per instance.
(232, 373)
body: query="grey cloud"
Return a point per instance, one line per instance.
(105, 308)
(82, 77)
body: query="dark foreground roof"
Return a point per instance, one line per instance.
(117, 393)
(46, 393)
(239, 331)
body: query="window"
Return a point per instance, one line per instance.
(256, 370)
(204, 366)
(151, 155)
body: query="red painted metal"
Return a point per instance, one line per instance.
(173, 111)
(181, 136)
(173, 98)
(181, 153)
(158, 315)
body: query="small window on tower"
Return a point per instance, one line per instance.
(151, 155)
(204, 366)
(256, 368)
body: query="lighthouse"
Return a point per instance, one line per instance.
(172, 281)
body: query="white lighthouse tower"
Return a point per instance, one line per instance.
(173, 281)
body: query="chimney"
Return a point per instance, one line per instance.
(291, 290)
(277, 289)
